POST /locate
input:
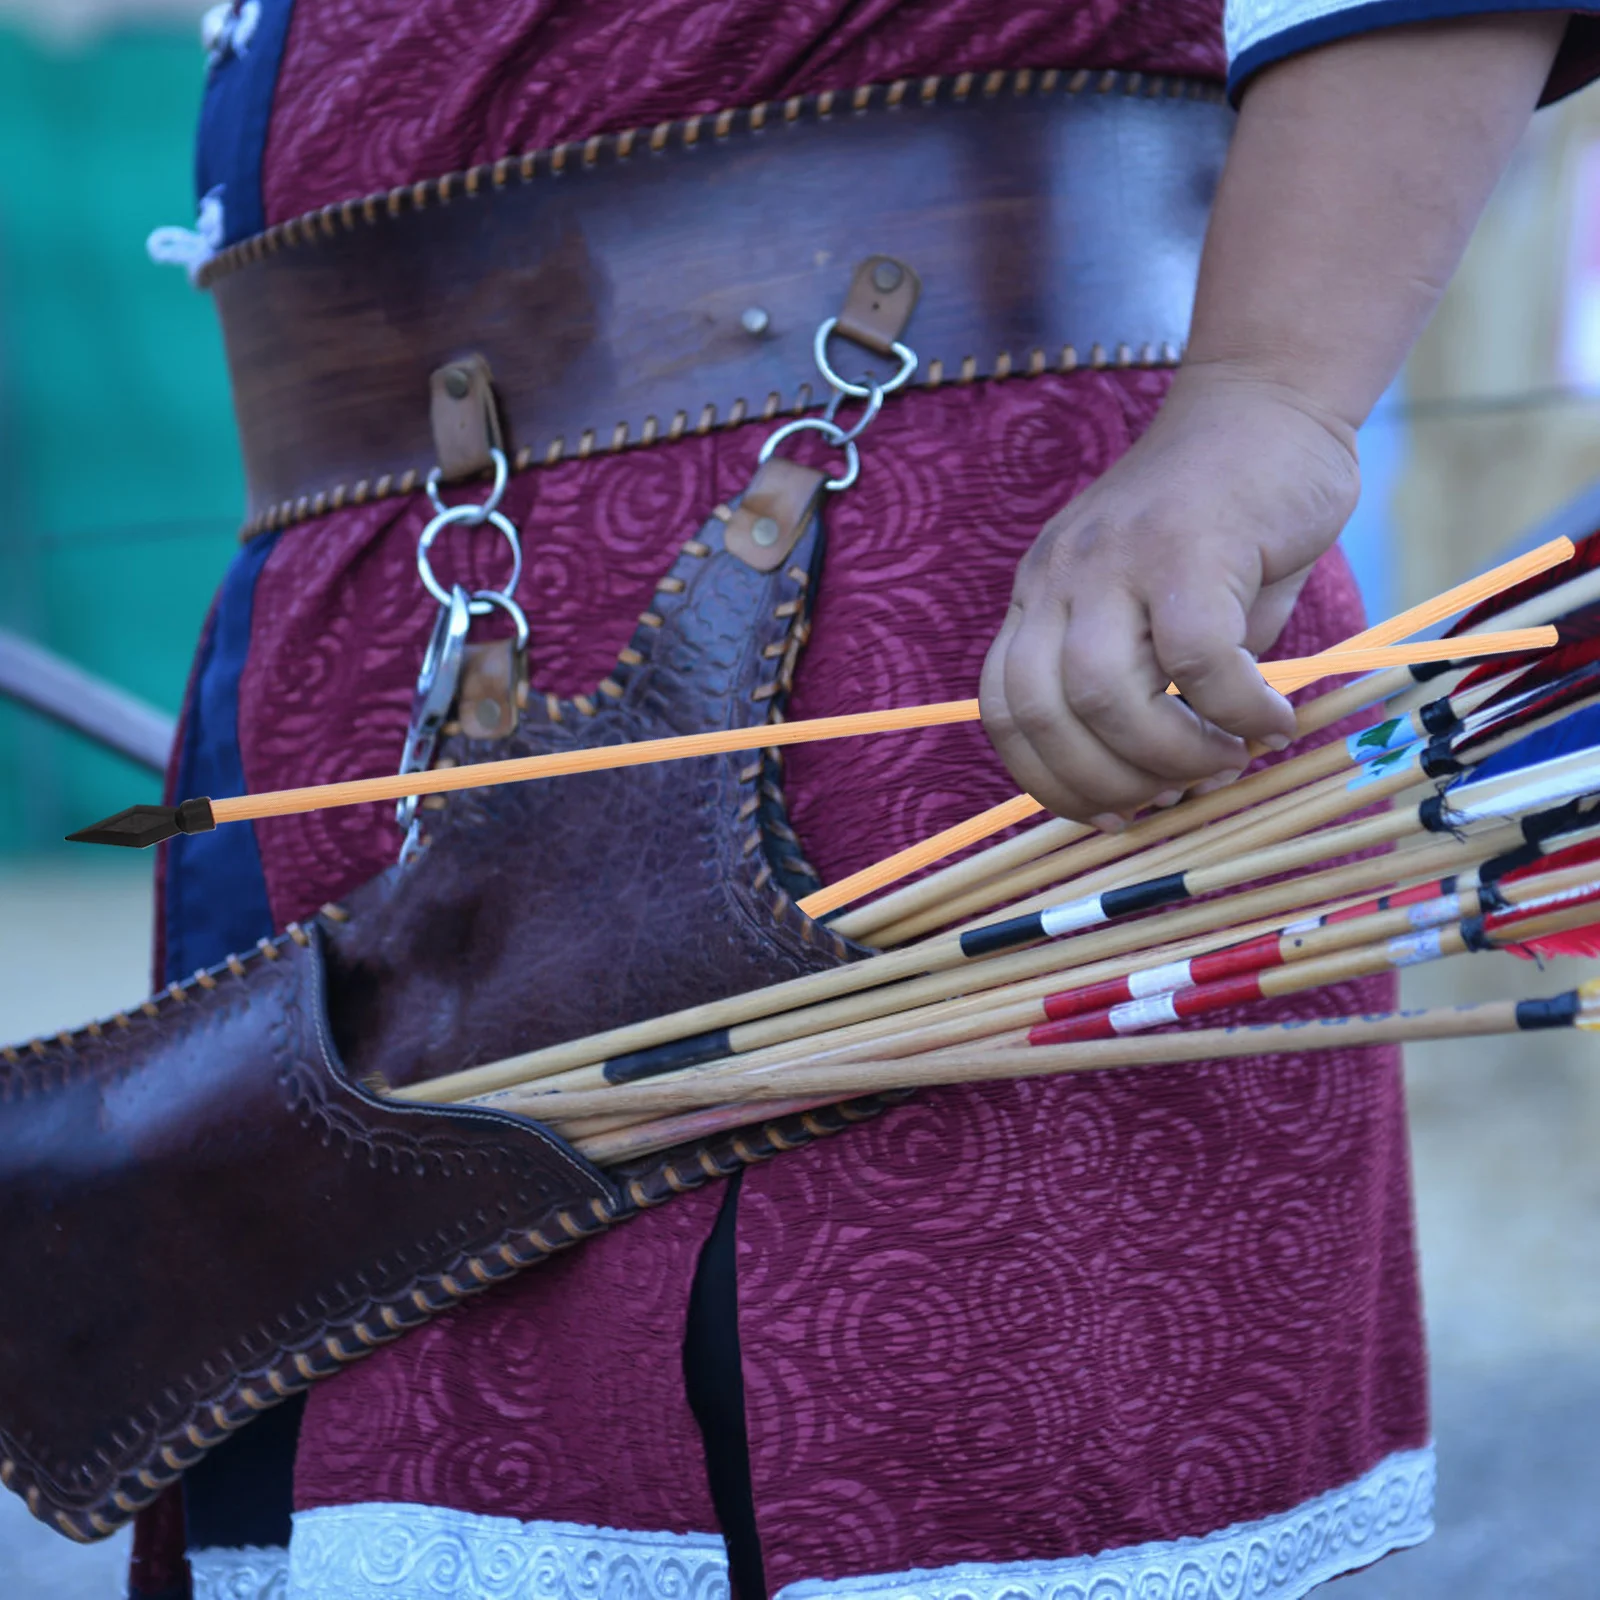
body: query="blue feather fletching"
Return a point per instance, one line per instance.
(1579, 731)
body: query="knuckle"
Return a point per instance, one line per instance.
(1033, 717)
(1091, 699)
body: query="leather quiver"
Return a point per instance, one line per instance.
(205, 1206)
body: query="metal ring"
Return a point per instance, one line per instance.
(472, 517)
(835, 436)
(501, 473)
(493, 597)
(860, 391)
(864, 421)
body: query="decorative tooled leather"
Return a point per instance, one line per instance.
(200, 1214)
(544, 911)
(210, 1211)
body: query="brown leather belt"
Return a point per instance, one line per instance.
(655, 282)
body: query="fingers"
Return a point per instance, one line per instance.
(1007, 724)
(1198, 631)
(1115, 685)
(1073, 701)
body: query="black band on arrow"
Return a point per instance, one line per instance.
(1005, 935)
(1438, 717)
(1426, 671)
(1474, 936)
(1559, 1011)
(1431, 814)
(1492, 898)
(194, 816)
(1439, 760)
(690, 1052)
(1144, 896)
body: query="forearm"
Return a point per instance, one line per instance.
(1354, 180)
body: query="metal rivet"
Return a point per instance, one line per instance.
(765, 530)
(456, 383)
(754, 320)
(887, 275)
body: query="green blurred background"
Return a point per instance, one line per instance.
(120, 487)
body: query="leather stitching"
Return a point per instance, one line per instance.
(543, 165)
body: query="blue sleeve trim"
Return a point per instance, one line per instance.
(235, 116)
(216, 891)
(1348, 22)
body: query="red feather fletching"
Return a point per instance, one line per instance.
(1583, 941)
(1577, 644)
(1584, 559)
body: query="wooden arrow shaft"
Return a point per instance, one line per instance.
(728, 741)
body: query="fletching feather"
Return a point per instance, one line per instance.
(1585, 559)
(1577, 732)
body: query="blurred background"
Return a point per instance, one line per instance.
(120, 495)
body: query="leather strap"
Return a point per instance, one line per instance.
(646, 284)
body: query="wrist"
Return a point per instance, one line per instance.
(1235, 386)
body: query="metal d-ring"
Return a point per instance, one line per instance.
(472, 516)
(860, 391)
(484, 507)
(493, 597)
(833, 433)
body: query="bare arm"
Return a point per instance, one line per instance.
(1356, 175)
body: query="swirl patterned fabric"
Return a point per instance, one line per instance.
(1125, 1308)
(373, 93)
(1015, 1323)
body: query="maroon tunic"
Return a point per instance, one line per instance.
(1017, 1323)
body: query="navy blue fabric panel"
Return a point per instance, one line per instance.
(1577, 64)
(234, 116)
(216, 892)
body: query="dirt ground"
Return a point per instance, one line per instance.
(1507, 1146)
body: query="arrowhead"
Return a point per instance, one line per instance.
(139, 827)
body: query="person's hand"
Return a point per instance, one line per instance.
(1181, 564)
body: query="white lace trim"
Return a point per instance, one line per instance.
(1277, 1558)
(246, 1574)
(410, 1552)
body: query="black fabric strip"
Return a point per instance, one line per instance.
(713, 1376)
(1002, 935)
(669, 1057)
(1144, 896)
(1473, 934)
(1438, 717)
(1559, 1011)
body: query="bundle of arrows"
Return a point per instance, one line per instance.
(1462, 820)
